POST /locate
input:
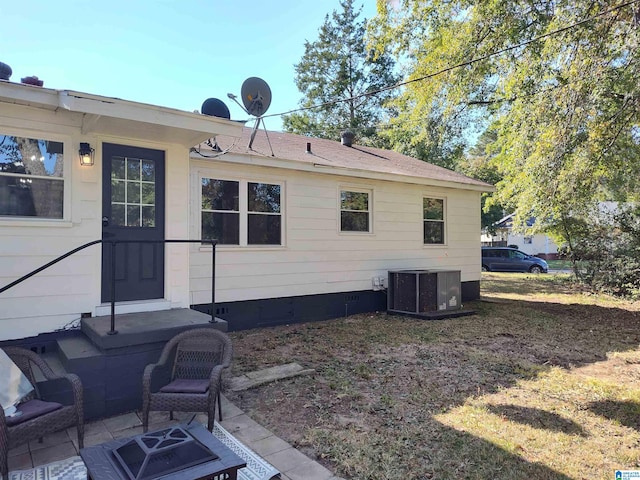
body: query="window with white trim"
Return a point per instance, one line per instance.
(241, 212)
(264, 216)
(32, 179)
(221, 211)
(433, 217)
(355, 210)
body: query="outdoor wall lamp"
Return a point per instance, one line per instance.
(86, 154)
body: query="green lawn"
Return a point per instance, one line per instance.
(560, 264)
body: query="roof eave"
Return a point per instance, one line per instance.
(117, 117)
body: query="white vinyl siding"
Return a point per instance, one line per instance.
(58, 295)
(317, 258)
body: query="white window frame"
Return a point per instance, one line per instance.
(69, 155)
(243, 209)
(355, 189)
(238, 212)
(443, 221)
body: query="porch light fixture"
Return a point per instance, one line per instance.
(86, 154)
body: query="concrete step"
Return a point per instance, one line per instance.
(54, 362)
(79, 353)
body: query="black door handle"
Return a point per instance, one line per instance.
(105, 221)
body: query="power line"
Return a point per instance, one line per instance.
(462, 64)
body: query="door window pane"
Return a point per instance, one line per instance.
(117, 168)
(132, 186)
(117, 191)
(117, 215)
(148, 171)
(133, 169)
(133, 216)
(133, 192)
(148, 194)
(148, 216)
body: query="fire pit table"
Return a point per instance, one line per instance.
(179, 452)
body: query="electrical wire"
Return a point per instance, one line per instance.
(459, 65)
(385, 125)
(213, 146)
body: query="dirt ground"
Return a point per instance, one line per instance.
(541, 382)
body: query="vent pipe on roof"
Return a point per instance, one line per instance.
(32, 80)
(308, 147)
(347, 138)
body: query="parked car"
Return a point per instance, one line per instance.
(505, 259)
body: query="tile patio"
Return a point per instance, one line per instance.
(292, 464)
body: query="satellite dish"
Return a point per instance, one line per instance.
(256, 96)
(215, 108)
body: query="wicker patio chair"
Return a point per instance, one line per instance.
(39, 417)
(195, 381)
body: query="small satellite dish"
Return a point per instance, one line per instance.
(256, 96)
(215, 107)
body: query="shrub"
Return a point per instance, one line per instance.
(605, 251)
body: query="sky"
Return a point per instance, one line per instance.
(172, 53)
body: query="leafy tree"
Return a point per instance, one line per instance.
(431, 140)
(604, 249)
(564, 104)
(339, 66)
(478, 163)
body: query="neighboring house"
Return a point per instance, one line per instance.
(307, 233)
(537, 244)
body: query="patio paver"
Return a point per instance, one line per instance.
(309, 470)
(293, 464)
(53, 453)
(21, 461)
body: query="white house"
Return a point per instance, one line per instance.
(537, 244)
(308, 231)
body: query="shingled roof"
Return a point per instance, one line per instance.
(332, 154)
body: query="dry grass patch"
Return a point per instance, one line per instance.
(541, 383)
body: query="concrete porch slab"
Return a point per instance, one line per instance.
(145, 327)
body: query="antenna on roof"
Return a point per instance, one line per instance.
(256, 98)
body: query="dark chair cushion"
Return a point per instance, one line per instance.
(182, 385)
(32, 409)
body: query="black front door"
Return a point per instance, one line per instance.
(133, 209)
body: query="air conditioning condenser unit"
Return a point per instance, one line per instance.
(423, 292)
